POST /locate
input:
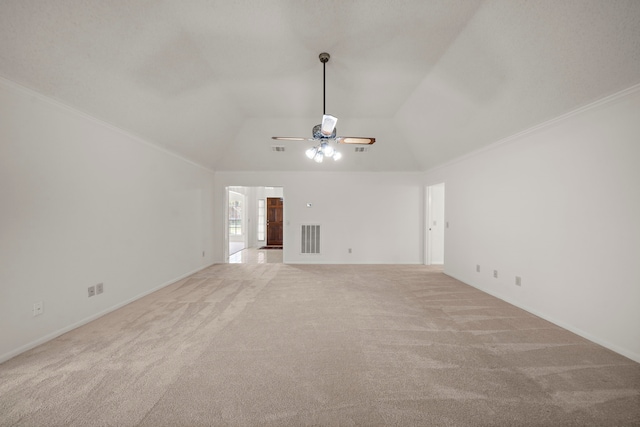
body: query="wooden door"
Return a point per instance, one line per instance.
(274, 221)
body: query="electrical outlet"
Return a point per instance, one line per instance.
(99, 288)
(477, 268)
(495, 273)
(38, 309)
(349, 250)
(518, 281)
(91, 290)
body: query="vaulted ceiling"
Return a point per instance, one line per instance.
(213, 80)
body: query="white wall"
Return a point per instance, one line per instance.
(378, 215)
(558, 206)
(83, 203)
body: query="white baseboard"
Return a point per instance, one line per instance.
(57, 333)
(620, 350)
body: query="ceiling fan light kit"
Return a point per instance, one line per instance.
(319, 152)
(325, 132)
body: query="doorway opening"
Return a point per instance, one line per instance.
(435, 225)
(254, 224)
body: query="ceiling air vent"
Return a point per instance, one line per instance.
(277, 147)
(361, 149)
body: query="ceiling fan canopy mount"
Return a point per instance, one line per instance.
(324, 57)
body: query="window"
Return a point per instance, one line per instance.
(235, 217)
(261, 221)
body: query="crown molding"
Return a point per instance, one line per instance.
(544, 125)
(130, 135)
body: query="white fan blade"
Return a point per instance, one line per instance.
(290, 138)
(355, 140)
(328, 124)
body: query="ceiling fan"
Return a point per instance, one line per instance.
(325, 132)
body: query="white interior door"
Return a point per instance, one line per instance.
(435, 222)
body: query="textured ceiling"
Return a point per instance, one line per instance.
(214, 80)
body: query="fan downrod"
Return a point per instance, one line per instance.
(324, 58)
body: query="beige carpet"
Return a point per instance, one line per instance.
(285, 345)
